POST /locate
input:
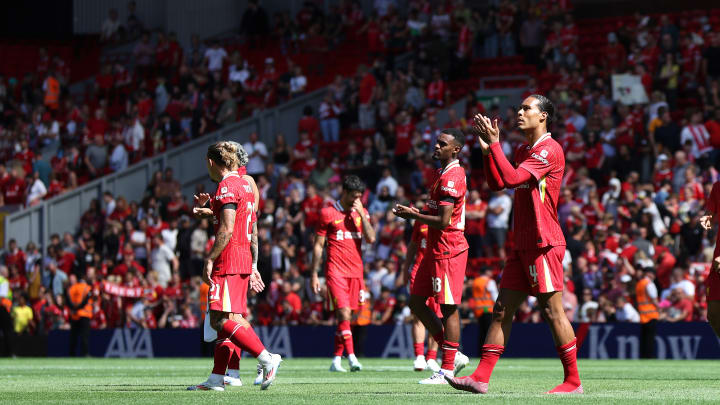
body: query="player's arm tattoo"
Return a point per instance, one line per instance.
(254, 246)
(317, 253)
(223, 234)
(367, 229)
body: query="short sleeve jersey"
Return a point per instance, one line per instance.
(343, 230)
(449, 189)
(535, 220)
(236, 257)
(712, 204)
(420, 237)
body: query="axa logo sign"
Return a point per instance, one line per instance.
(277, 340)
(130, 343)
(601, 341)
(400, 343)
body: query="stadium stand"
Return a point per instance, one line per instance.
(635, 181)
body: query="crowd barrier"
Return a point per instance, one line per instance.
(679, 341)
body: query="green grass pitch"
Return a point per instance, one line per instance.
(383, 381)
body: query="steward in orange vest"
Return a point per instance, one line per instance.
(79, 298)
(52, 92)
(646, 297)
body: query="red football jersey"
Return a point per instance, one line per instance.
(420, 237)
(713, 205)
(535, 220)
(449, 189)
(235, 258)
(343, 230)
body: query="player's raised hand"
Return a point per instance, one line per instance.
(358, 207)
(489, 129)
(716, 264)
(201, 199)
(706, 222)
(403, 211)
(315, 283)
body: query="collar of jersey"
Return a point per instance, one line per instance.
(542, 138)
(233, 173)
(454, 163)
(339, 206)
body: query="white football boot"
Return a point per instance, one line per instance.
(433, 365)
(270, 371)
(336, 365)
(437, 378)
(213, 383)
(259, 376)
(354, 363)
(419, 364)
(232, 378)
(461, 361)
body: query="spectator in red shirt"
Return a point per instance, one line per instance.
(436, 90)
(128, 264)
(475, 210)
(681, 309)
(614, 54)
(383, 309)
(309, 124)
(13, 193)
(366, 95)
(329, 111)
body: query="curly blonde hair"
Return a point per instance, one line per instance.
(224, 153)
(242, 154)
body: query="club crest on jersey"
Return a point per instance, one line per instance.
(358, 221)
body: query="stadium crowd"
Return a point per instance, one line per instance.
(634, 188)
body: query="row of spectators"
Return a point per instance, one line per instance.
(635, 184)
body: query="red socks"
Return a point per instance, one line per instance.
(449, 351)
(490, 355)
(339, 344)
(234, 362)
(431, 355)
(223, 350)
(346, 334)
(419, 349)
(244, 337)
(568, 356)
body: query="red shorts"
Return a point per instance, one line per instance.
(345, 292)
(534, 271)
(228, 293)
(430, 302)
(442, 278)
(713, 286)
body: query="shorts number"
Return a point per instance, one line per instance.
(214, 292)
(362, 296)
(437, 284)
(533, 273)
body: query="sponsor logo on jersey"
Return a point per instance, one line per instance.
(224, 195)
(449, 189)
(343, 235)
(543, 153)
(540, 158)
(223, 190)
(247, 188)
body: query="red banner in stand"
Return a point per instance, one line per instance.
(129, 292)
